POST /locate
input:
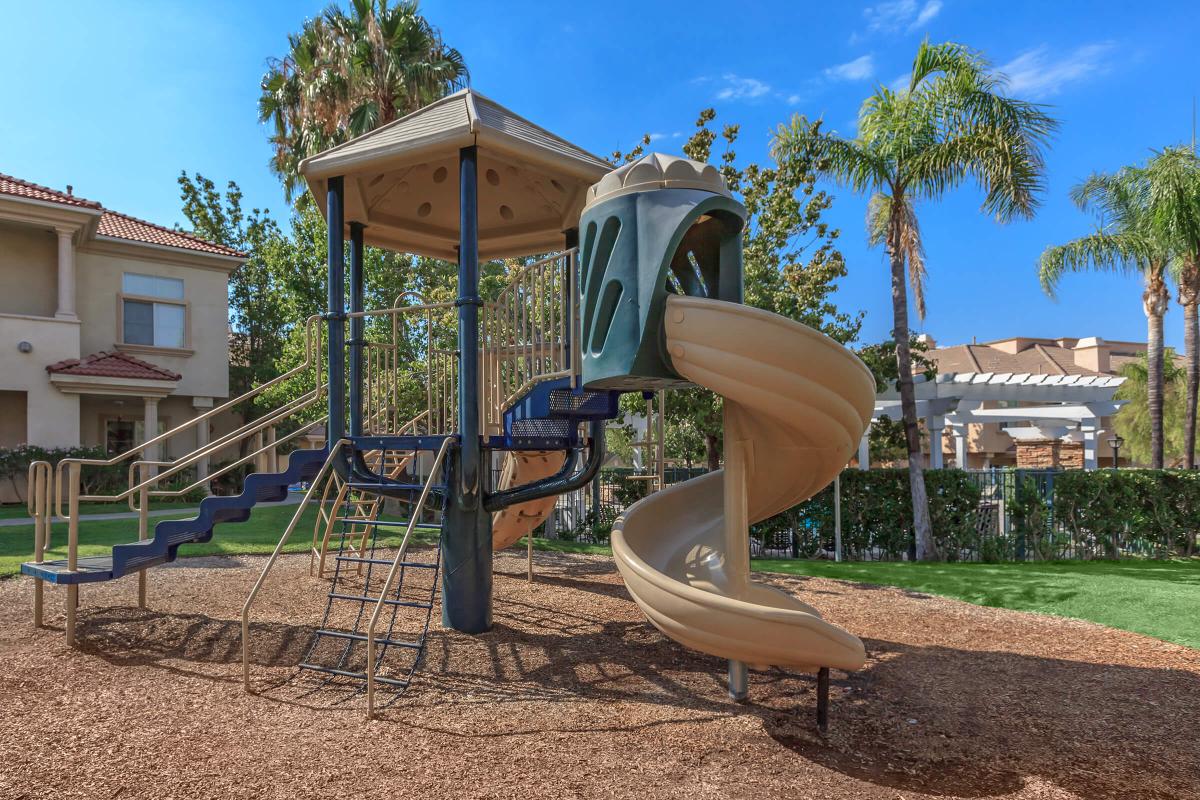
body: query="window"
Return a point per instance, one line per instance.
(152, 311)
(120, 435)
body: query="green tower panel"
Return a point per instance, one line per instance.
(636, 249)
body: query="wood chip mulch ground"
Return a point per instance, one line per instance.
(573, 694)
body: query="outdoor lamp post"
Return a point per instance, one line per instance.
(1115, 441)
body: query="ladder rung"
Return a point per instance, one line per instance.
(348, 674)
(365, 599)
(362, 637)
(386, 561)
(386, 522)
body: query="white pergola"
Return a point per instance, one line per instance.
(1067, 407)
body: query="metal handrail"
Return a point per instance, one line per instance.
(312, 359)
(391, 576)
(37, 503)
(334, 452)
(530, 332)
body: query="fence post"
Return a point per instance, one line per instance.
(1021, 543)
(837, 518)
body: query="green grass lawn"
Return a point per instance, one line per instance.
(259, 534)
(1157, 598)
(19, 511)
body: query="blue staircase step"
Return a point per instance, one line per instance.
(169, 535)
(91, 569)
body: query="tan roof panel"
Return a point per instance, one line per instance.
(402, 179)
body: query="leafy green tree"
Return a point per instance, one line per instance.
(886, 436)
(1134, 422)
(790, 258)
(347, 73)
(283, 283)
(952, 123)
(259, 315)
(1127, 240)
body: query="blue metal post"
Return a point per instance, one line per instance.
(467, 535)
(337, 309)
(356, 328)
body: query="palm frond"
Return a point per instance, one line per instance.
(844, 161)
(1098, 252)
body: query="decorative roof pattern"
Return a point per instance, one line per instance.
(1040, 358)
(123, 226)
(657, 171)
(113, 365)
(33, 191)
(113, 224)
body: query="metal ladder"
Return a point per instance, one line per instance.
(350, 644)
(343, 504)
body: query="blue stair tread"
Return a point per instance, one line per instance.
(90, 569)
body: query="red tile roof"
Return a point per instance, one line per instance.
(113, 365)
(123, 226)
(114, 224)
(33, 191)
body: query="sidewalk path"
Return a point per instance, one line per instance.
(293, 498)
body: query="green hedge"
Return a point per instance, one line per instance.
(877, 515)
(1109, 513)
(1046, 515)
(15, 461)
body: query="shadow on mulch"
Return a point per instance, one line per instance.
(933, 719)
(144, 637)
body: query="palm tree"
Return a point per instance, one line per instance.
(347, 73)
(1126, 241)
(953, 123)
(1173, 176)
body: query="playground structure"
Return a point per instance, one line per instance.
(643, 295)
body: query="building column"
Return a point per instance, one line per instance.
(66, 274)
(960, 445)
(935, 423)
(1090, 431)
(864, 449)
(150, 428)
(202, 406)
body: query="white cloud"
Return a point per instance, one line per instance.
(900, 82)
(1041, 72)
(900, 15)
(859, 69)
(738, 88)
(794, 99)
(655, 137)
(928, 11)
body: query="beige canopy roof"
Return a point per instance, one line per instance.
(401, 180)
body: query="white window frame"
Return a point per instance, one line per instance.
(185, 347)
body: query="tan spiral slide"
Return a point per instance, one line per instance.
(796, 405)
(520, 468)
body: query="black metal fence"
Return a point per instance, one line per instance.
(978, 515)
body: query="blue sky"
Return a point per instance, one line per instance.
(116, 98)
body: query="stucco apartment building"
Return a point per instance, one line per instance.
(988, 445)
(110, 326)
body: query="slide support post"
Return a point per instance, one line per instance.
(823, 700)
(739, 681)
